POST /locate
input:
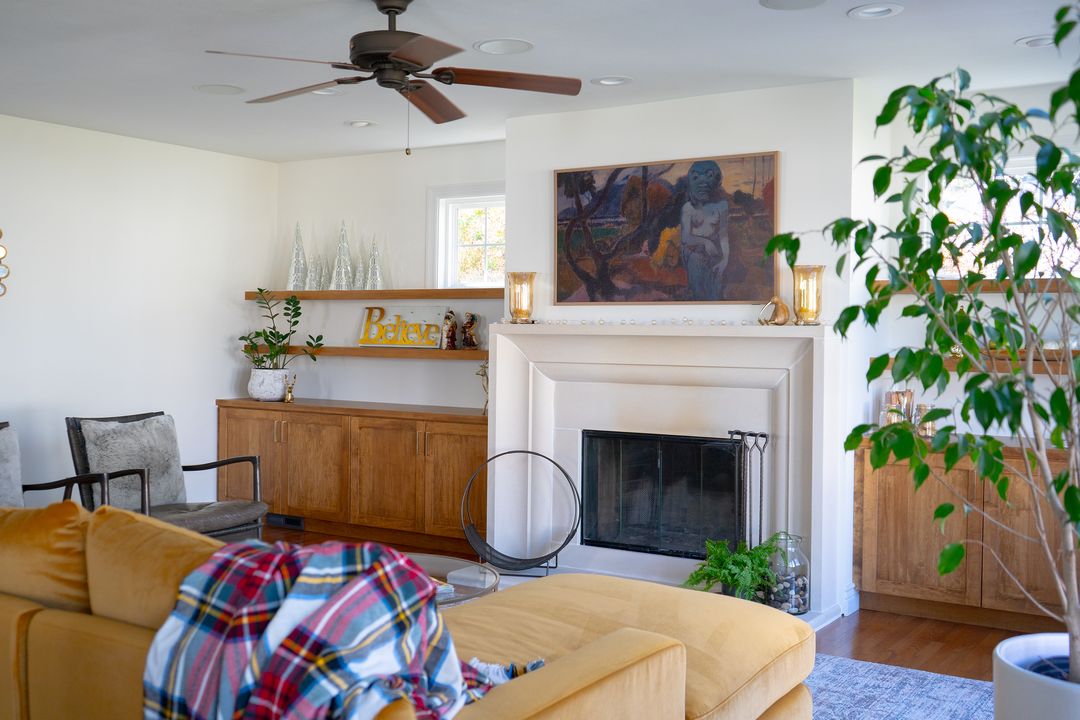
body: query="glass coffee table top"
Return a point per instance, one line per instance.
(469, 580)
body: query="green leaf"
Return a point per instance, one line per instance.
(965, 79)
(1059, 406)
(854, 440)
(903, 365)
(877, 366)
(918, 165)
(936, 414)
(943, 511)
(1026, 258)
(882, 178)
(1072, 503)
(950, 558)
(921, 473)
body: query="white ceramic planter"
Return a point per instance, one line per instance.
(267, 385)
(1022, 695)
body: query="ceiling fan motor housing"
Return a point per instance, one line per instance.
(371, 50)
(392, 6)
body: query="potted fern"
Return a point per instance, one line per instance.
(268, 349)
(1014, 294)
(743, 573)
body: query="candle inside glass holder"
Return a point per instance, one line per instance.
(520, 291)
(807, 296)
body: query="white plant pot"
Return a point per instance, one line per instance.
(267, 385)
(1020, 694)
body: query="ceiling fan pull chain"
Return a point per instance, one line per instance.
(408, 120)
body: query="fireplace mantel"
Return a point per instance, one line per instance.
(551, 381)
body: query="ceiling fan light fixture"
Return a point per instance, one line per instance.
(216, 89)
(361, 123)
(1036, 41)
(790, 4)
(503, 46)
(612, 80)
(876, 11)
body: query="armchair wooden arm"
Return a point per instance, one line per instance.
(256, 491)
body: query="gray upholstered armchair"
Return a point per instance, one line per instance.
(12, 487)
(149, 440)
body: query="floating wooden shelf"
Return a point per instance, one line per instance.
(404, 352)
(1054, 358)
(413, 294)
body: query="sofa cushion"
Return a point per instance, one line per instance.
(135, 565)
(42, 553)
(15, 615)
(150, 444)
(86, 667)
(741, 656)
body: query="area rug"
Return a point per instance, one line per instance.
(846, 689)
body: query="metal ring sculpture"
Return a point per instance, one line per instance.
(493, 556)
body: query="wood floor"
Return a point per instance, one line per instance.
(932, 645)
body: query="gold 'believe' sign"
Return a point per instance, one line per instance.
(403, 326)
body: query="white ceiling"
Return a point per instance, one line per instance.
(128, 66)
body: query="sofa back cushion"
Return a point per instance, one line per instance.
(135, 565)
(43, 555)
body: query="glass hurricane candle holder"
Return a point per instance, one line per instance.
(520, 291)
(807, 296)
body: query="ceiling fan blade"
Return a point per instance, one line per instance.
(422, 51)
(514, 81)
(343, 66)
(432, 103)
(309, 88)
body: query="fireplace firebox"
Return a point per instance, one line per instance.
(662, 494)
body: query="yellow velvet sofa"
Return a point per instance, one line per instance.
(81, 596)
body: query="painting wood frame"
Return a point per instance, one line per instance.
(627, 247)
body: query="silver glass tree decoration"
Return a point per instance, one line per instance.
(342, 276)
(298, 267)
(324, 273)
(360, 278)
(374, 276)
(311, 277)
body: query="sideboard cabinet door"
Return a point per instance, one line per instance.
(387, 474)
(316, 449)
(453, 453)
(901, 543)
(249, 432)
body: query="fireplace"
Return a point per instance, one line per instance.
(661, 494)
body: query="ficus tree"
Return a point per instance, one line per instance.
(987, 334)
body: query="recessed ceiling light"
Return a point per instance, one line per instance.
(790, 4)
(877, 11)
(612, 80)
(1036, 41)
(219, 89)
(503, 46)
(360, 123)
(328, 91)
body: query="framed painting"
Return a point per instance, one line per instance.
(685, 231)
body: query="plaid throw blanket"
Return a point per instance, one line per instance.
(335, 630)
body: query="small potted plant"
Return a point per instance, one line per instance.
(743, 574)
(268, 349)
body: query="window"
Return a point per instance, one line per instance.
(469, 243)
(961, 203)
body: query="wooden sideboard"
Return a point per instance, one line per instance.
(390, 473)
(897, 544)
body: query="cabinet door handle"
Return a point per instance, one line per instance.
(284, 427)
(276, 430)
(426, 447)
(417, 442)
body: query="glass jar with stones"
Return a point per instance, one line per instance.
(791, 592)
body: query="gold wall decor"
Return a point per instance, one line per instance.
(417, 327)
(780, 313)
(807, 299)
(520, 290)
(4, 272)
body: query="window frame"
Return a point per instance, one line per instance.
(442, 230)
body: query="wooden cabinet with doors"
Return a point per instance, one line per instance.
(391, 473)
(898, 543)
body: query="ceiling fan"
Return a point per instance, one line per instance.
(397, 59)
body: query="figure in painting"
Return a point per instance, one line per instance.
(704, 248)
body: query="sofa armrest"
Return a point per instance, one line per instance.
(627, 674)
(15, 616)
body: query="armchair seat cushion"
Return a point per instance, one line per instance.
(211, 516)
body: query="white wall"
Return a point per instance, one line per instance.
(128, 264)
(383, 195)
(810, 125)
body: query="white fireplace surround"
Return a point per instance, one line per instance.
(549, 382)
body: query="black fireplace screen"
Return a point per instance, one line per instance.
(661, 494)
